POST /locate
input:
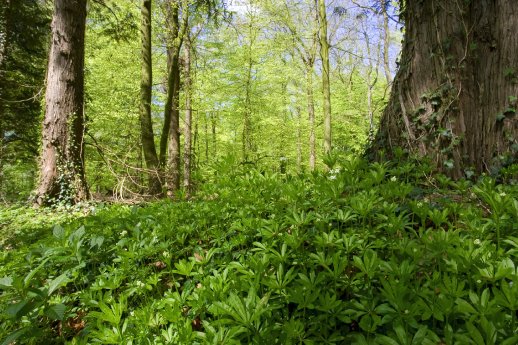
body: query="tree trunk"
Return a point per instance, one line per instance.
(213, 119)
(299, 140)
(324, 54)
(311, 114)
(4, 40)
(386, 40)
(172, 170)
(4, 17)
(454, 96)
(247, 121)
(188, 119)
(170, 139)
(62, 176)
(146, 125)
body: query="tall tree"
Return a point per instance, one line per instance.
(188, 117)
(146, 125)
(384, 5)
(170, 139)
(307, 50)
(455, 95)
(326, 89)
(62, 175)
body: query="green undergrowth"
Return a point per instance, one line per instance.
(362, 254)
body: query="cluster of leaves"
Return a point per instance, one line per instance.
(363, 254)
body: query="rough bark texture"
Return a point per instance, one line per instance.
(188, 120)
(62, 176)
(454, 97)
(324, 55)
(146, 125)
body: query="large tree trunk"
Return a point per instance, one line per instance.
(454, 96)
(62, 176)
(188, 119)
(324, 54)
(146, 125)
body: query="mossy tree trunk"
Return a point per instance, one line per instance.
(62, 175)
(454, 97)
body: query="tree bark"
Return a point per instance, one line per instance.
(62, 175)
(311, 115)
(146, 125)
(454, 97)
(326, 89)
(170, 139)
(188, 119)
(386, 41)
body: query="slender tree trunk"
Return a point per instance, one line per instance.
(455, 95)
(371, 82)
(299, 140)
(324, 54)
(206, 130)
(62, 175)
(213, 118)
(170, 139)
(188, 119)
(311, 115)
(4, 40)
(172, 171)
(146, 125)
(247, 123)
(386, 41)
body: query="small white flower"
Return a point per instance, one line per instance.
(140, 284)
(479, 281)
(407, 311)
(477, 242)
(393, 179)
(132, 313)
(419, 204)
(332, 177)
(166, 254)
(123, 233)
(502, 194)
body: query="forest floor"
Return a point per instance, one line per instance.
(363, 254)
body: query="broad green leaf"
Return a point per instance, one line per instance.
(6, 282)
(56, 311)
(58, 232)
(57, 283)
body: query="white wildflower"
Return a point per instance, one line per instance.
(123, 233)
(393, 179)
(477, 242)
